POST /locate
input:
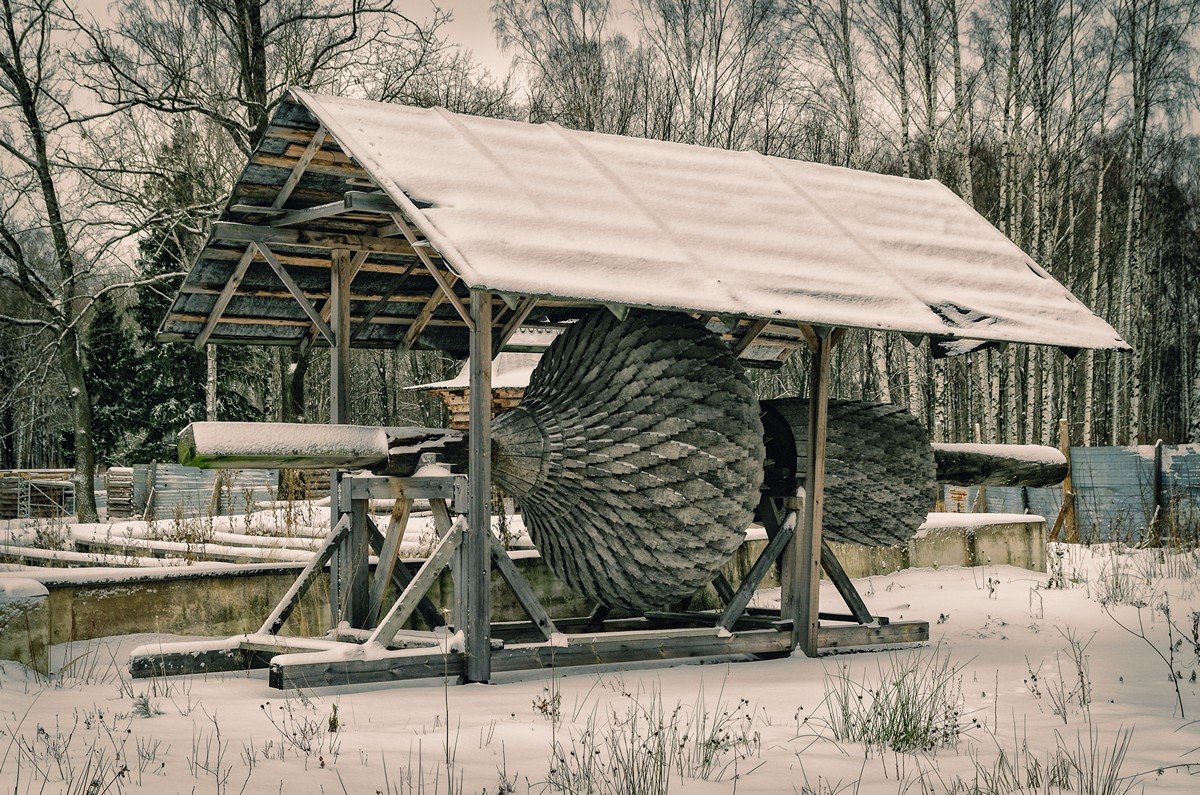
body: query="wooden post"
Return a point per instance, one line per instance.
(806, 561)
(339, 372)
(1157, 516)
(473, 611)
(1066, 514)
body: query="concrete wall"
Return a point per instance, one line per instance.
(80, 604)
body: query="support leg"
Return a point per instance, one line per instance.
(806, 563)
(837, 575)
(474, 611)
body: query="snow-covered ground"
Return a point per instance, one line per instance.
(1040, 671)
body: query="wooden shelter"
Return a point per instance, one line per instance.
(362, 224)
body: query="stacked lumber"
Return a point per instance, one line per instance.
(458, 404)
(118, 482)
(27, 493)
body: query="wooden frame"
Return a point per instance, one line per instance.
(368, 643)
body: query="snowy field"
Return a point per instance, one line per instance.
(1030, 684)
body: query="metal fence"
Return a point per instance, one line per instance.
(1115, 492)
(171, 491)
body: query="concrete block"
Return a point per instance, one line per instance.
(25, 623)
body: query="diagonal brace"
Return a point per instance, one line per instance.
(296, 292)
(442, 554)
(745, 591)
(305, 579)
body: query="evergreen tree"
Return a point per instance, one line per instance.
(112, 373)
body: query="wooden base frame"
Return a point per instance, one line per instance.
(388, 653)
(368, 644)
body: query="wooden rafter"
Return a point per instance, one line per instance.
(231, 286)
(382, 302)
(296, 292)
(356, 263)
(249, 233)
(520, 314)
(423, 253)
(751, 334)
(293, 179)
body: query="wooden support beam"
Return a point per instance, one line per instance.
(296, 292)
(850, 595)
(520, 314)
(401, 577)
(226, 295)
(723, 588)
(806, 562)
(356, 264)
(445, 284)
(441, 556)
(521, 589)
(388, 556)
(751, 334)
(382, 303)
(306, 157)
(319, 670)
(249, 233)
(745, 591)
(304, 580)
(339, 412)
(474, 612)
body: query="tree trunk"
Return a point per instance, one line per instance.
(81, 416)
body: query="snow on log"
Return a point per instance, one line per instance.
(999, 465)
(289, 445)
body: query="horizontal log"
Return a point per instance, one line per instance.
(999, 465)
(290, 445)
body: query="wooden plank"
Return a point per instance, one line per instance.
(852, 635)
(296, 292)
(521, 589)
(389, 555)
(226, 295)
(401, 578)
(304, 580)
(293, 179)
(169, 663)
(850, 595)
(807, 560)
(301, 238)
(745, 591)
(421, 582)
(319, 670)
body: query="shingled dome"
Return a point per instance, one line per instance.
(564, 221)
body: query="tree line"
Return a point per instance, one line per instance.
(1069, 124)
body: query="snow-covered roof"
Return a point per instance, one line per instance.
(584, 219)
(509, 371)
